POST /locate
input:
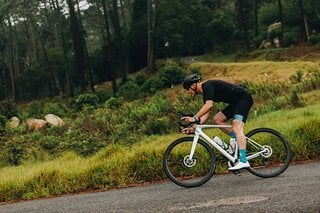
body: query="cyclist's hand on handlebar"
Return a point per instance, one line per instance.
(188, 119)
(188, 131)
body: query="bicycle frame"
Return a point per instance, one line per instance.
(200, 133)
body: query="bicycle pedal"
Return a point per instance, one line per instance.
(237, 172)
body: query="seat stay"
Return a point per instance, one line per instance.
(253, 143)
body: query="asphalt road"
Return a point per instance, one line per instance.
(296, 190)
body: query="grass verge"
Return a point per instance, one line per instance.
(118, 166)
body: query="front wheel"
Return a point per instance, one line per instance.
(275, 152)
(188, 172)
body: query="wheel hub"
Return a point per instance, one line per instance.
(189, 162)
(267, 151)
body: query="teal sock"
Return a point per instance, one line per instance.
(232, 135)
(243, 155)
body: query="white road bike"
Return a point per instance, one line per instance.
(190, 161)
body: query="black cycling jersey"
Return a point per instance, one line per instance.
(239, 100)
(221, 91)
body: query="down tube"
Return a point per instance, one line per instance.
(221, 150)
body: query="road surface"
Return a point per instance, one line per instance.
(296, 190)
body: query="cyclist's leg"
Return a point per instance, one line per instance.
(222, 116)
(240, 115)
(241, 111)
(237, 128)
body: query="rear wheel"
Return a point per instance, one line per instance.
(276, 156)
(189, 172)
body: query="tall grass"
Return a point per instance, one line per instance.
(120, 166)
(114, 166)
(133, 155)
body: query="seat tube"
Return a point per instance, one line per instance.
(194, 144)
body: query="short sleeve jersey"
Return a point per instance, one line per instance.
(221, 91)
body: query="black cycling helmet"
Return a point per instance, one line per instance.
(189, 80)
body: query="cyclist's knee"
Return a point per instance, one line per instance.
(219, 118)
(217, 121)
(237, 129)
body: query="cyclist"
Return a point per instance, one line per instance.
(239, 100)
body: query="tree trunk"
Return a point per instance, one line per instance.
(79, 53)
(110, 53)
(151, 29)
(305, 21)
(11, 59)
(281, 16)
(54, 78)
(5, 76)
(129, 6)
(84, 43)
(243, 23)
(123, 13)
(119, 39)
(63, 45)
(256, 21)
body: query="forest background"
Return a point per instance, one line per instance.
(111, 69)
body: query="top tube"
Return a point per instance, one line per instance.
(212, 126)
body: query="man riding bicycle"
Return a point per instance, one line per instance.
(239, 100)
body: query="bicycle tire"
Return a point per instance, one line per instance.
(182, 175)
(280, 153)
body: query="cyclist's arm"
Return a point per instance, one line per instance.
(205, 111)
(204, 118)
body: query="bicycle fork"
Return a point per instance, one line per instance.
(194, 145)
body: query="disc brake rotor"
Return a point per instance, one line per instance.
(268, 151)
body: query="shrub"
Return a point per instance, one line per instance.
(275, 33)
(15, 155)
(35, 109)
(152, 85)
(13, 151)
(312, 83)
(2, 124)
(314, 39)
(114, 103)
(308, 135)
(57, 130)
(195, 70)
(157, 126)
(129, 91)
(294, 99)
(171, 73)
(49, 143)
(8, 108)
(258, 40)
(59, 109)
(289, 38)
(86, 99)
(265, 90)
(140, 78)
(83, 144)
(297, 77)
(103, 95)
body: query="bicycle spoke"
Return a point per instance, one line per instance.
(268, 152)
(185, 171)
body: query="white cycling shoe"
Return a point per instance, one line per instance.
(240, 165)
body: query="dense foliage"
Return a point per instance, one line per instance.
(66, 48)
(50, 48)
(95, 121)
